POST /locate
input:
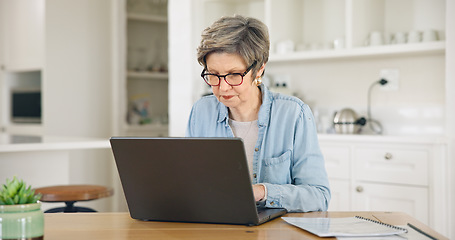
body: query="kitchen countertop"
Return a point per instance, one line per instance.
(422, 139)
(21, 143)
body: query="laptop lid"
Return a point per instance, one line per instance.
(187, 180)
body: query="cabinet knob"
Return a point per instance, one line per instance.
(388, 156)
(359, 189)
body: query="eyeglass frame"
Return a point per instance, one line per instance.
(224, 76)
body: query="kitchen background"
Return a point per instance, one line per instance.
(117, 67)
(319, 49)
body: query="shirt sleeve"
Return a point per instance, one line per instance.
(309, 190)
(190, 126)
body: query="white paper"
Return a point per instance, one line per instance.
(411, 235)
(338, 227)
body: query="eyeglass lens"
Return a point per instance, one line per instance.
(231, 79)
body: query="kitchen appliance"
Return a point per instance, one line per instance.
(347, 121)
(26, 105)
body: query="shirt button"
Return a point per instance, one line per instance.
(272, 203)
(254, 175)
(256, 149)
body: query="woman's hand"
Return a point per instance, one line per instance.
(259, 192)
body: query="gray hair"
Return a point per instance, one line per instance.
(246, 36)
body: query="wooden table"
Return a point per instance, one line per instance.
(110, 226)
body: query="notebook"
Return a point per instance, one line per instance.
(203, 180)
(345, 227)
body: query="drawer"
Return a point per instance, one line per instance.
(336, 161)
(340, 191)
(393, 164)
(412, 200)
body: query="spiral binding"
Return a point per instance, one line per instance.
(381, 223)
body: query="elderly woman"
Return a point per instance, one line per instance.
(286, 165)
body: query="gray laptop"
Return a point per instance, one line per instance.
(204, 180)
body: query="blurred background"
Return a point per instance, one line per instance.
(96, 69)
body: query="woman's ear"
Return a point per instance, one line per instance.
(260, 71)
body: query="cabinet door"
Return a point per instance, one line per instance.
(393, 164)
(340, 195)
(23, 32)
(337, 160)
(391, 198)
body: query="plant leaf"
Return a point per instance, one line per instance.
(15, 191)
(22, 198)
(9, 201)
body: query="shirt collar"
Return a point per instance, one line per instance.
(264, 110)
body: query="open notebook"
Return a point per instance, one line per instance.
(344, 227)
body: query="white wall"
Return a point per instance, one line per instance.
(450, 107)
(2, 92)
(2, 26)
(416, 108)
(181, 61)
(77, 84)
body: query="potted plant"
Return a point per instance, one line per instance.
(20, 211)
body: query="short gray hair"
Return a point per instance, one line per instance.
(246, 36)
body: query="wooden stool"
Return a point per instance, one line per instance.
(71, 194)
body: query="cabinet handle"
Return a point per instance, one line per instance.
(359, 189)
(388, 156)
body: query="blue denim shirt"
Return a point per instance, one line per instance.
(287, 158)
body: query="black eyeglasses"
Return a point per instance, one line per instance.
(233, 79)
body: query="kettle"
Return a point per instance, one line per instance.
(347, 121)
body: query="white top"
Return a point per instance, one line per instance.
(21, 143)
(248, 131)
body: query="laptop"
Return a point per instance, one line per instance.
(200, 180)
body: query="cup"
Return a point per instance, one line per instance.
(338, 43)
(414, 37)
(398, 38)
(285, 47)
(429, 35)
(375, 38)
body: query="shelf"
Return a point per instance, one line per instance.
(154, 129)
(147, 127)
(386, 50)
(20, 70)
(148, 75)
(146, 18)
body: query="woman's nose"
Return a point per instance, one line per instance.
(224, 86)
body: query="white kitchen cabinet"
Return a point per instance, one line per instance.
(378, 177)
(142, 88)
(392, 177)
(338, 166)
(380, 173)
(341, 199)
(23, 34)
(337, 160)
(397, 163)
(391, 198)
(21, 60)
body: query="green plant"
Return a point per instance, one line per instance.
(17, 192)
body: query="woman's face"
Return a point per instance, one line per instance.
(232, 96)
